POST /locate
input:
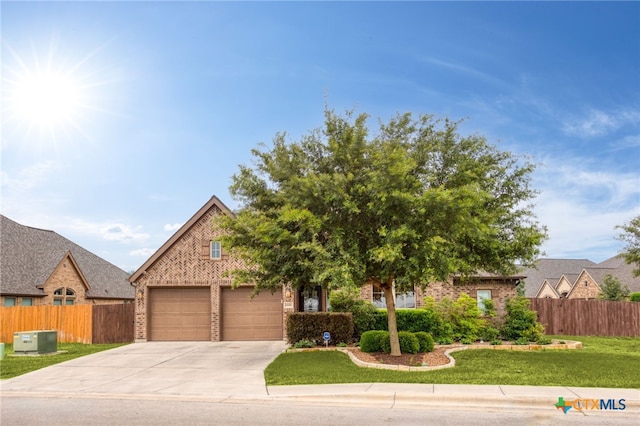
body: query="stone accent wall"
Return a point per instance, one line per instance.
(585, 287)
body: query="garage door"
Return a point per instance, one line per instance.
(244, 318)
(179, 314)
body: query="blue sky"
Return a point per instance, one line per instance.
(153, 105)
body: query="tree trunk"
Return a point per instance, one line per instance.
(387, 288)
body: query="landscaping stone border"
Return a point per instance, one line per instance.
(569, 344)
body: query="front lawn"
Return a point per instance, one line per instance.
(609, 362)
(12, 366)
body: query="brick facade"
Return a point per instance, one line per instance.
(186, 262)
(501, 290)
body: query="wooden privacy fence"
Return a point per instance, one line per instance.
(573, 317)
(89, 324)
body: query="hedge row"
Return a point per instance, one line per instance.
(311, 326)
(410, 343)
(412, 320)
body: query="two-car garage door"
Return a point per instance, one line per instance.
(185, 314)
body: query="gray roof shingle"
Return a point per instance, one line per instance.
(552, 270)
(29, 255)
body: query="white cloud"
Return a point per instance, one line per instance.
(169, 227)
(123, 233)
(30, 176)
(582, 207)
(111, 231)
(143, 252)
(600, 123)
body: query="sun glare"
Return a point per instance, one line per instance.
(47, 99)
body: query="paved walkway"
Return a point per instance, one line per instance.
(233, 372)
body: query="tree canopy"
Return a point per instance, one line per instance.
(411, 204)
(631, 236)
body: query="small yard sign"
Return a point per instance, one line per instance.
(326, 336)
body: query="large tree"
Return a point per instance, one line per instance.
(412, 204)
(631, 236)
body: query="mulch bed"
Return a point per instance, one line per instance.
(431, 359)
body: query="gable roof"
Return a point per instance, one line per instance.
(214, 201)
(620, 269)
(547, 286)
(28, 256)
(552, 270)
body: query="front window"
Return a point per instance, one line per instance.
(403, 300)
(216, 250)
(27, 301)
(482, 296)
(9, 301)
(64, 296)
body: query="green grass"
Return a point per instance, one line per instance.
(610, 362)
(12, 366)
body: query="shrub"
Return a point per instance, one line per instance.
(445, 340)
(371, 341)
(363, 312)
(521, 341)
(613, 289)
(304, 343)
(426, 341)
(413, 320)
(495, 342)
(409, 343)
(311, 326)
(544, 340)
(490, 333)
(634, 297)
(520, 321)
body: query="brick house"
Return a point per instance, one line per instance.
(182, 292)
(576, 278)
(40, 267)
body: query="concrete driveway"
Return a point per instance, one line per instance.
(211, 370)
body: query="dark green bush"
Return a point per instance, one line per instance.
(413, 320)
(445, 340)
(634, 297)
(311, 326)
(409, 343)
(520, 321)
(426, 341)
(372, 340)
(490, 333)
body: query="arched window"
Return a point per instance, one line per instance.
(64, 296)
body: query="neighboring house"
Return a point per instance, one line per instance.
(576, 278)
(183, 292)
(40, 267)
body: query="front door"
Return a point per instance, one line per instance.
(310, 299)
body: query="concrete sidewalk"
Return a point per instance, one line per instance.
(458, 396)
(232, 372)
